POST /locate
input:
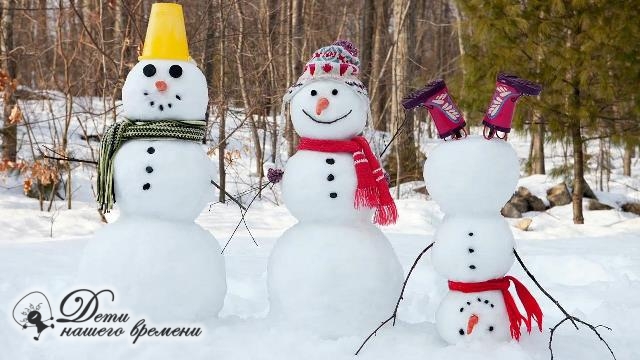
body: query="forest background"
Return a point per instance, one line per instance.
(585, 53)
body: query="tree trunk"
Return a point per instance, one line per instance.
(529, 165)
(270, 19)
(209, 69)
(578, 172)
(9, 130)
(457, 14)
(401, 73)
(274, 135)
(120, 54)
(118, 24)
(537, 161)
(297, 25)
(366, 45)
(222, 101)
(626, 161)
(600, 166)
(286, 38)
(297, 36)
(42, 36)
(243, 90)
(378, 53)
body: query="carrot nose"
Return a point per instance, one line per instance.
(473, 321)
(322, 104)
(161, 85)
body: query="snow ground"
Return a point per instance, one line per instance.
(596, 277)
(592, 269)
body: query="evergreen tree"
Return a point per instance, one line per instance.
(584, 53)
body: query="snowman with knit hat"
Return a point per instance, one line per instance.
(152, 166)
(334, 272)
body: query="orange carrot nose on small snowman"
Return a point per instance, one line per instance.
(321, 105)
(161, 85)
(473, 321)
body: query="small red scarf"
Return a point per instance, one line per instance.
(515, 318)
(372, 190)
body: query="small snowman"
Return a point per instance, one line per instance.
(471, 179)
(334, 272)
(154, 257)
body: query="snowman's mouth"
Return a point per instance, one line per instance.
(327, 122)
(160, 106)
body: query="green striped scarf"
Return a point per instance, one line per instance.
(125, 130)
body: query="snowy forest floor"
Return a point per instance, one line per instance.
(592, 269)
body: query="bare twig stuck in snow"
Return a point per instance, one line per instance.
(52, 220)
(394, 315)
(244, 211)
(574, 320)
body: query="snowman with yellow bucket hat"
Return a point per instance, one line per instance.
(153, 168)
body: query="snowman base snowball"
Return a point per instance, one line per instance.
(335, 280)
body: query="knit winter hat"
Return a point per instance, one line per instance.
(338, 61)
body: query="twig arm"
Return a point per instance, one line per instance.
(394, 315)
(70, 159)
(229, 196)
(242, 219)
(544, 291)
(374, 333)
(593, 328)
(61, 157)
(406, 280)
(567, 316)
(393, 138)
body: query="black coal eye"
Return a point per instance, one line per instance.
(175, 71)
(334, 92)
(149, 70)
(314, 93)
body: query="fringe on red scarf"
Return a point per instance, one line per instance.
(372, 190)
(529, 303)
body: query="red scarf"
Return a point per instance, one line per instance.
(372, 190)
(515, 318)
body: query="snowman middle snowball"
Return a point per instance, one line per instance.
(333, 273)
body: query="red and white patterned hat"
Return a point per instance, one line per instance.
(338, 61)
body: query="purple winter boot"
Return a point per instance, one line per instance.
(444, 112)
(509, 88)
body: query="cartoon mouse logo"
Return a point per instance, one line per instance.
(33, 310)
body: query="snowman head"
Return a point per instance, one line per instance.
(166, 84)
(165, 89)
(328, 101)
(328, 109)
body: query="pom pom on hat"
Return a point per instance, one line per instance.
(348, 45)
(338, 61)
